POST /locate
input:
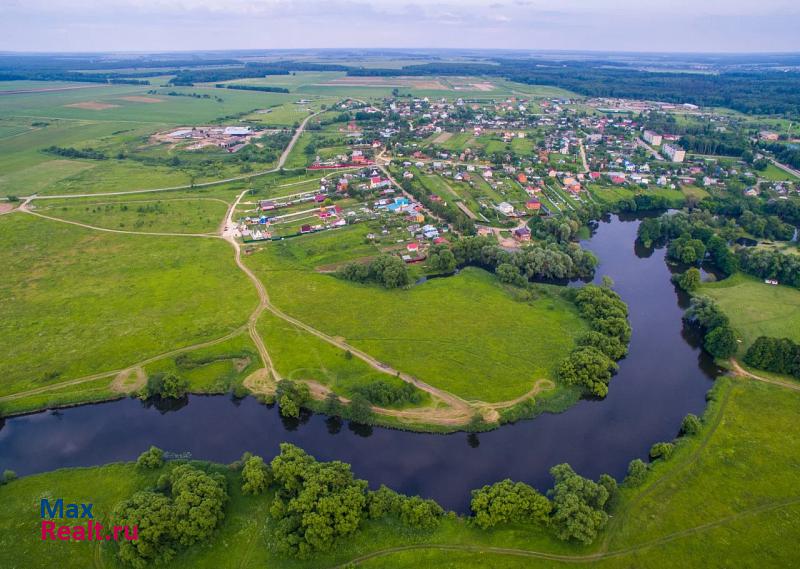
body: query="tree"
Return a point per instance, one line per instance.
(360, 409)
(578, 505)
(609, 345)
(441, 259)
(417, 512)
(316, 503)
(661, 450)
(166, 385)
(589, 368)
(637, 472)
(255, 476)
(154, 516)
(688, 280)
(333, 405)
(690, 425)
(508, 502)
(199, 501)
(151, 458)
(508, 273)
(291, 395)
(721, 342)
(383, 501)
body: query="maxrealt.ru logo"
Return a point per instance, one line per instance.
(90, 531)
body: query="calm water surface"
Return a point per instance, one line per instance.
(664, 377)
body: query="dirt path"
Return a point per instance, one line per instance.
(482, 549)
(739, 370)
(100, 375)
(25, 208)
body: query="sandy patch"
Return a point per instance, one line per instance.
(136, 99)
(5, 207)
(443, 137)
(92, 106)
(129, 380)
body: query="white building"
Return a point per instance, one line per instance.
(651, 137)
(674, 153)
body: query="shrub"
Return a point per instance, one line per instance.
(637, 472)
(508, 502)
(661, 450)
(690, 425)
(256, 476)
(151, 459)
(166, 385)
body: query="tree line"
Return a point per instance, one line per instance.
(592, 363)
(779, 355)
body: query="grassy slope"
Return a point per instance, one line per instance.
(84, 301)
(463, 334)
(757, 309)
(728, 497)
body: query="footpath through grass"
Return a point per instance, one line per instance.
(76, 301)
(464, 334)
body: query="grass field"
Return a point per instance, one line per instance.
(727, 498)
(775, 174)
(77, 302)
(757, 309)
(141, 213)
(464, 334)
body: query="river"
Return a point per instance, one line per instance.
(664, 377)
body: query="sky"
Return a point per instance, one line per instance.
(598, 25)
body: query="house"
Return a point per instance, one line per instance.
(505, 208)
(522, 234)
(522, 178)
(430, 232)
(407, 175)
(412, 247)
(267, 205)
(533, 205)
(306, 229)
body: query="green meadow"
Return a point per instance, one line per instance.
(77, 302)
(465, 334)
(141, 213)
(756, 308)
(735, 478)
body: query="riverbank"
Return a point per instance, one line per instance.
(732, 476)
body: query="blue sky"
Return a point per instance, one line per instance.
(625, 25)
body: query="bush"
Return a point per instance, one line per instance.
(721, 342)
(689, 280)
(690, 425)
(291, 396)
(661, 450)
(589, 368)
(417, 512)
(385, 394)
(359, 409)
(166, 385)
(578, 505)
(637, 472)
(256, 476)
(151, 459)
(508, 502)
(8, 476)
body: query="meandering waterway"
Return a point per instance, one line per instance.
(664, 377)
